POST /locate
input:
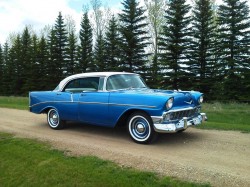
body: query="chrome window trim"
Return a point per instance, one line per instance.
(75, 78)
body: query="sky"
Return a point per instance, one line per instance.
(16, 14)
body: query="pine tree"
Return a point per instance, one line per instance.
(61, 45)
(175, 44)
(85, 50)
(234, 30)
(53, 71)
(16, 67)
(26, 67)
(1, 70)
(100, 54)
(43, 63)
(134, 37)
(202, 62)
(34, 80)
(113, 40)
(7, 70)
(72, 52)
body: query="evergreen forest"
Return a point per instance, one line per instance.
(172, 44)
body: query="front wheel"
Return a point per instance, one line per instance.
(140, 128)
(54, 120)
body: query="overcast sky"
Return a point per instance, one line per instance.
(16, 14)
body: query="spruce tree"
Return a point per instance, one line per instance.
(53, 69)
(34, 80)
(234, 31)
(16, 67)
(134, 37)
(61, 45)
(7, 70)
(85, 50)
(1, 70)
(72, 52)
(202, 57)
(43, 62)
(100, 54)
(26, 62)
(113, 40)
(175, 44)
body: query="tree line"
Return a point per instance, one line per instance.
(172, 44)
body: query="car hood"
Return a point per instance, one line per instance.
(181, 98)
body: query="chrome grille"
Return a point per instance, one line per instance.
(179, 114)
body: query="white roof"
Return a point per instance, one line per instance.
(94, 74)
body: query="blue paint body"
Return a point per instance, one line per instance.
(105, 108)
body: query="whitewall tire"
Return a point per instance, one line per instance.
(140, 128)
(54, 120)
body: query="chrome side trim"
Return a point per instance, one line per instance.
(117, 104)
(95, 103)
(52, 102)
(144, 106)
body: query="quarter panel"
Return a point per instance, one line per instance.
(40, 100)
(120, 102)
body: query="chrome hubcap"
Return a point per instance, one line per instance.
(140, 128)
(53, 118)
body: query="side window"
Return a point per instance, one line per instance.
(89, 84)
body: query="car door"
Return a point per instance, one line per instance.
(67, 105)
(93, 102)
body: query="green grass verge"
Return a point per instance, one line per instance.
(25, 162)
(14, 102)
(228, 116)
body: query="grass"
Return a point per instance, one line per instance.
(14, 102)
(25, 162)
(227, 116)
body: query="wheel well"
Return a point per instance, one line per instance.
(46, 110)
(123, 119)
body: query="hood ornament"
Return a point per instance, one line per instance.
(190, 102)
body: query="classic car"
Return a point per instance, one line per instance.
(111, 98)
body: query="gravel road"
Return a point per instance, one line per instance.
(221, 158)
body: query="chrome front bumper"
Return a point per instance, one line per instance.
(171, 127)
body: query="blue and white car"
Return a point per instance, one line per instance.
(111, 98)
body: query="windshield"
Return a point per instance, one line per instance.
(126, 81)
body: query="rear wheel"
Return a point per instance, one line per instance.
(54, 120)
(140, 128)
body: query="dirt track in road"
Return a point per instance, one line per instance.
(221, 158)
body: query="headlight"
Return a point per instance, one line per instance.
(169, 103)
(201, 99)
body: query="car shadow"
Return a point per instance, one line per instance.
(121, 133)
(116, 132)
